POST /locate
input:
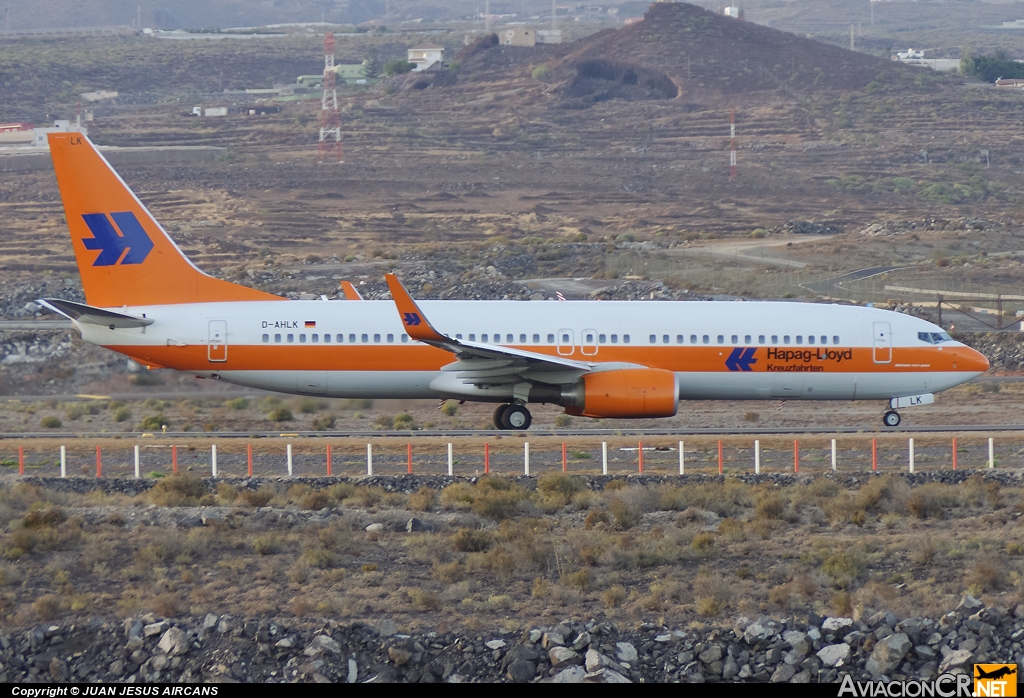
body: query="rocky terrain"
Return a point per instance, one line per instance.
(787, 650)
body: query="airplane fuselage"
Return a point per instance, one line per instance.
(718, 350)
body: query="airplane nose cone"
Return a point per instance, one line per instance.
(970, 360)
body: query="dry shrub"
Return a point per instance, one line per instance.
(226, 494)
(976, 492)
(708, 606)
(299, 573)
(883, 494)
(930, 500)
(703, 544)
(843, 567)
(48, 517)
(779, 596)
(496, 498)
(842, 603)
(340, 491)
(769, 506)
(457, 496)
(449, 572)
(48, 607)
(540, 588)
(595, 518)
(301, 606)
(166, 605)
(315, 501)
(844, 509)
(626, 514)
(579, 579)
(256, 498)
(470, 540)
(266, 544)
(613, 596)
(985, 576)
(177, 491)
(423, 599)
(502, 562)
(318, 558)
(423, 500)
(560, 486)
(732, 530)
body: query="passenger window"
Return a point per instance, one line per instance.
(536, 339)
(365, 338)
(835, 339)
(302, 338)
(483, 338)
(664, 339)
(508, 338)
(522, 339)
(654, 339)
(735, 339)
(775, 339)
(458, 336)
(746, 339)
(590, 338)
(352, 339)
(799, 339)
(721, 339)
(472, 336)
(707, 339)
(405, 338)
(810, 339)
(602, 338)
(615, 339)
(551, 338)
(785, 339)
(291, 338)
(376, 338)
(760, 339)
(625, 339)
(824, 339)
(391, 338)
(327, 339)
(693, 339)
(565, 339)
(266, 338)
(315, 338)
(277, 338)
(679, 339)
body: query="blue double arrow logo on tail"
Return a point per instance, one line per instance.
(113, 243)
(411, 319)
(740, 359)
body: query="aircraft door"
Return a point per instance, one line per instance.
(588, 342)
(882, 343)
(566, 343)
(217, 347)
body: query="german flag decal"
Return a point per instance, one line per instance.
(310, 323)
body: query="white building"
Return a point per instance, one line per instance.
(425, 55)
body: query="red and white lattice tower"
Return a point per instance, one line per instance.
(330, 122)
(732, 144)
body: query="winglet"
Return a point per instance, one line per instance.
(351, 294)
(415, 323)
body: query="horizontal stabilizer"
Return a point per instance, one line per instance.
(94, 316)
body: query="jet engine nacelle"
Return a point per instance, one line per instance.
(627, 392)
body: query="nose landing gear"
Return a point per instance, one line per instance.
(512, 416)
(891, 418)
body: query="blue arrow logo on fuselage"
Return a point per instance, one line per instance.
(128, 239)
(740, 359)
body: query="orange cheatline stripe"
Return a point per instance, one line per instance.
(419, 357)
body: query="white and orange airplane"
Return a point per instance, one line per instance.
(146, 300)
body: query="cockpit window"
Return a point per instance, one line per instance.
(934, 337)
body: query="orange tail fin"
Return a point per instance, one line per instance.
(123, 255)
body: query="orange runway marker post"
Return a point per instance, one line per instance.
(721, 464)
(408, 458)
(954, 453)
(796, 456)
(174, 459)
(640, 457)
(21, 460)
(565, 461)
(487, 458)
(99, 463)
(874, 455)
(248, 454)
(328, 460)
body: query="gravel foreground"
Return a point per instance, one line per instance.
(800, 648)
(228, 649)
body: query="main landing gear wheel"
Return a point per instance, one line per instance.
(516, 417)
(891, 419)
